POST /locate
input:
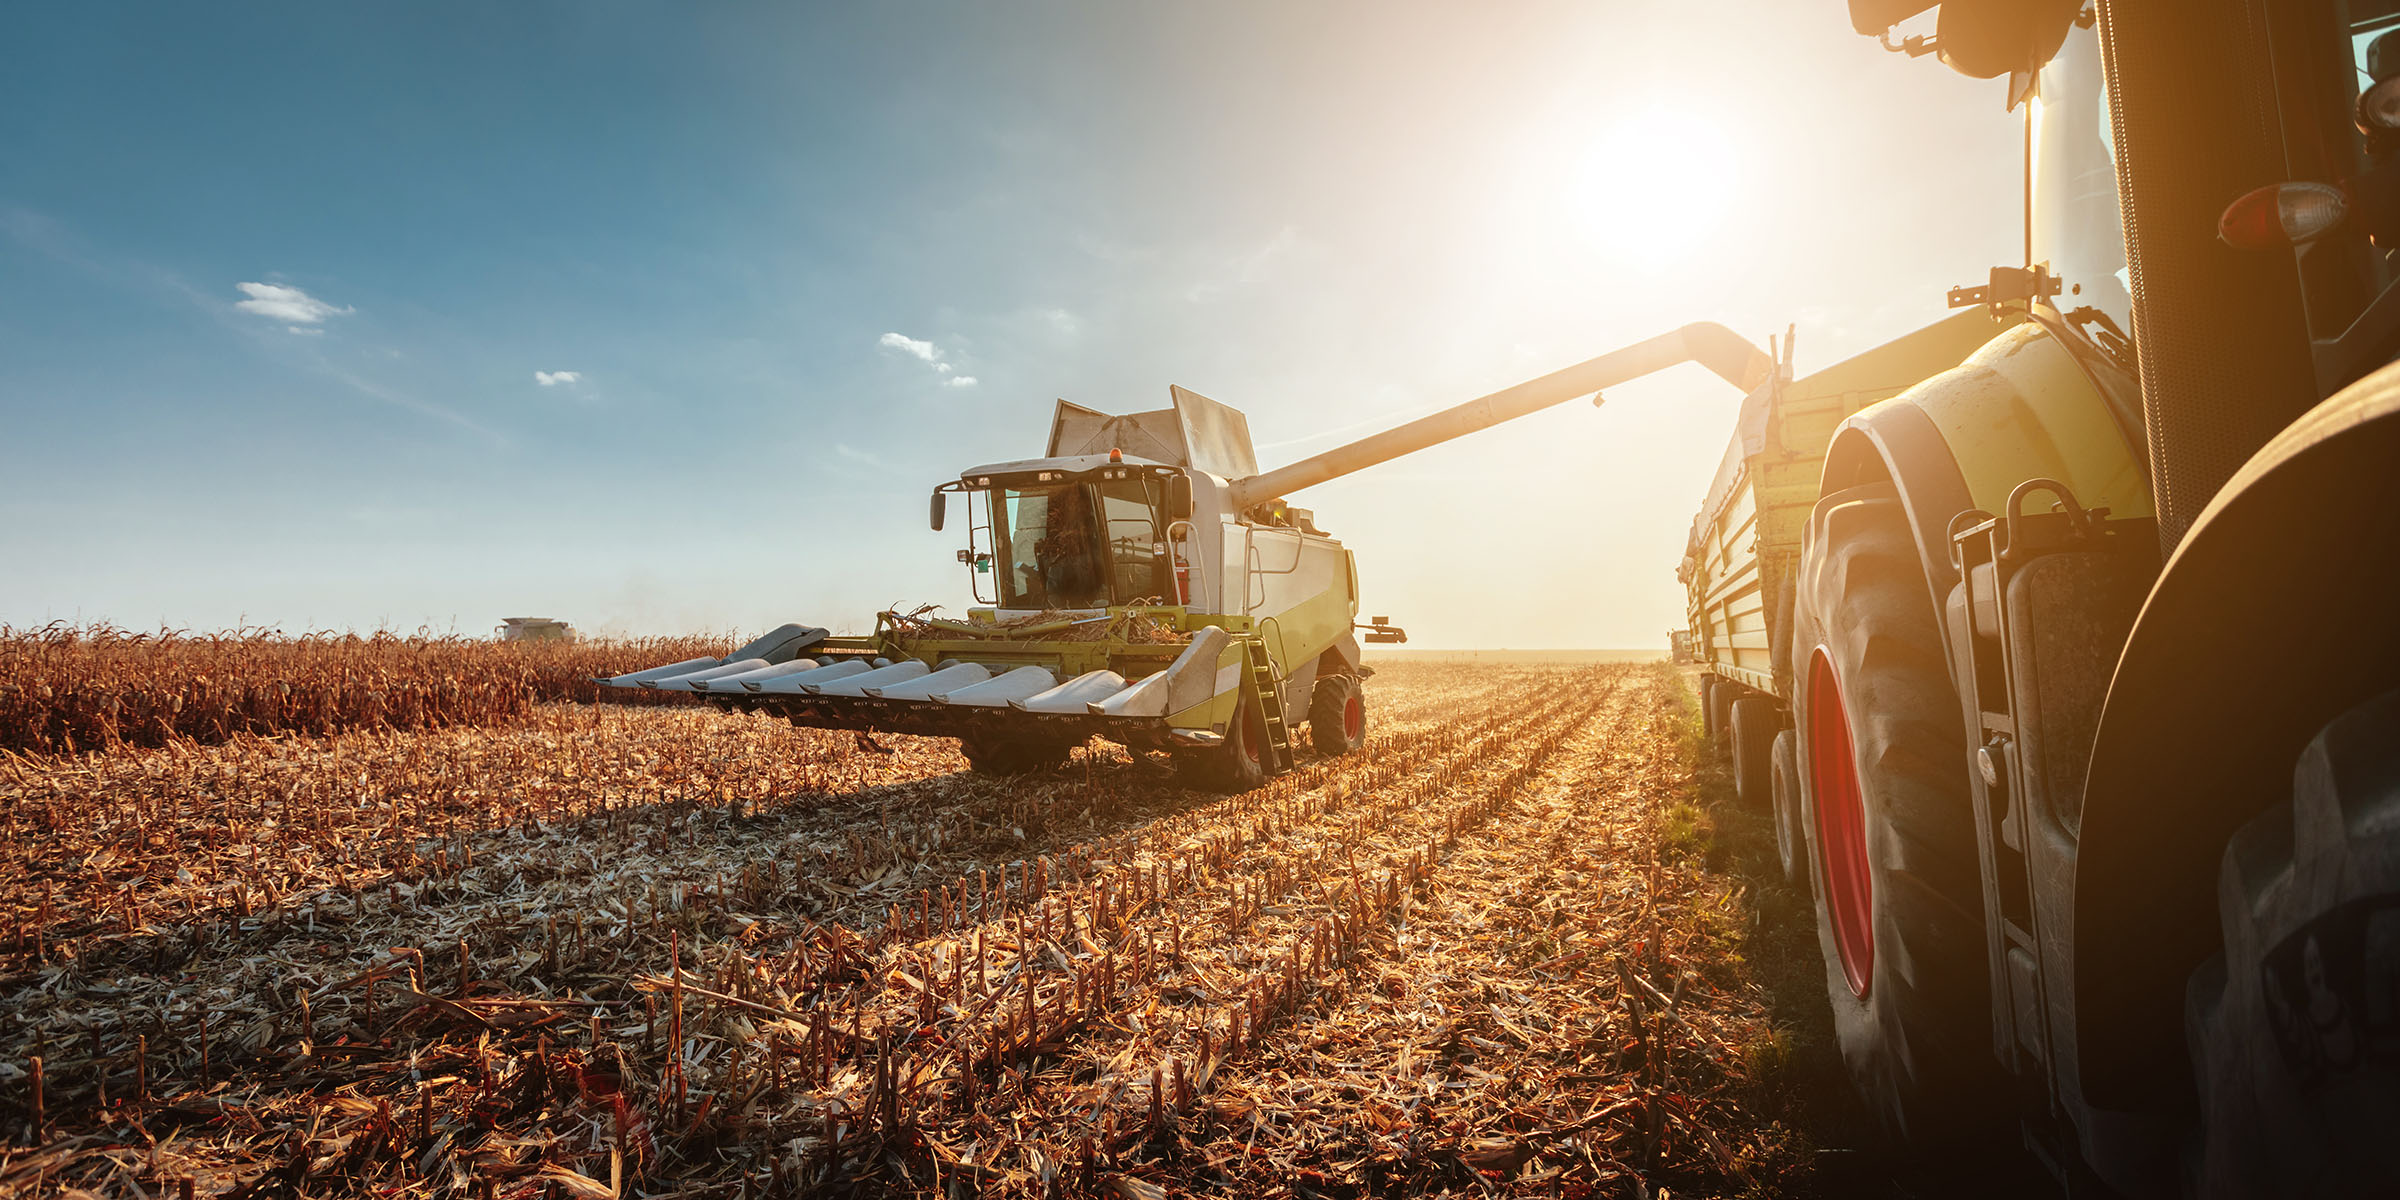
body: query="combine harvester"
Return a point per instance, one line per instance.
(1143, 582)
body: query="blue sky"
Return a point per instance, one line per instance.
(276, 283)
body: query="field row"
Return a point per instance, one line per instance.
(682, 948)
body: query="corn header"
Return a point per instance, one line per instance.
(1142, 582)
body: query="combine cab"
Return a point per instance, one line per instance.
(1145, 583)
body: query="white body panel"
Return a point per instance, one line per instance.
(1075, 695)
(1024, 683)
(684, 682)
(792, 685)
(857, 685)
(923, 687)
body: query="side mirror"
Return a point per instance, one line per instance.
(941, 508)
(1985, 39)
(1179, 497)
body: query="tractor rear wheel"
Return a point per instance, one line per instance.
(2294, 1029)
(1890, 829)
(1791, 845)
(1755, 723)
(1014, 756)
(1337, 715)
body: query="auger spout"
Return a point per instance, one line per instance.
(1707, 343)
(1125, 593)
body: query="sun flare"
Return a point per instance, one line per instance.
(1654, 184)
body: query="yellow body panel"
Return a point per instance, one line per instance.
(1746, 541)
(1216, 712)
(1301, 612)
(2019, 409)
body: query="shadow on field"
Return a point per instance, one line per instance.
(1801, 1080)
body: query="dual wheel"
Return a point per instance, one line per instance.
(1751, 729)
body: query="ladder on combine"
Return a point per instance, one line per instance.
(1269, 698)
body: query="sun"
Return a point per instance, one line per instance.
(1654, 184)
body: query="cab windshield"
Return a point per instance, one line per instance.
(2076, 225)
(1080, 545)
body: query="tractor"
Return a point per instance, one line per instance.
(2049, 633)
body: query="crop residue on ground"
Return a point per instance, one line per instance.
(601, 951)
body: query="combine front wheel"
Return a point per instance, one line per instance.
(2295, 1028)
(1014, 756)
(1237, 764)
(1891, 838)
(1337, 715)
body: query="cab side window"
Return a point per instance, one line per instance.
(1136, 539)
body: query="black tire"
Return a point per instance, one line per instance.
(1708, 708)
(1756, 719)
(1236, 764)
(1337, 714)
(2294, 1028)
(1721, 695)
(1911, 1009)
(1014, 756)
(1791, 850)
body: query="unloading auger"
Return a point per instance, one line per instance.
(1143, 582)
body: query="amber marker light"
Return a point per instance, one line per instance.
(2283, 214)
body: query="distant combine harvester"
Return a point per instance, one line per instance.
(534, 629)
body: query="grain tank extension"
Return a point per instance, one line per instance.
(1143, 581)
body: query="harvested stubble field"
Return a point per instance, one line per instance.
(660, 952)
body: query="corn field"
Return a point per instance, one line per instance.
(597, 952)
(65, 689)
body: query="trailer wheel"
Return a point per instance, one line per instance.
(1887, 817)
(1337, 715)
(1720, 716)
(1014, 756)
(2294, 1029)
(1755, 722)
(1791, 849)
(1708, 709)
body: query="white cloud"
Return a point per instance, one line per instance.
(304, 331)
(929, 354)
(911, 346)
(290, 305)
(555, 378)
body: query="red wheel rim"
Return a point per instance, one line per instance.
(1841, 826)
(1354, 719)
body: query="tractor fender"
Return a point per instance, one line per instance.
(2020, 407)
(2273, 616)
(1894, 440)
(2024, 407)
